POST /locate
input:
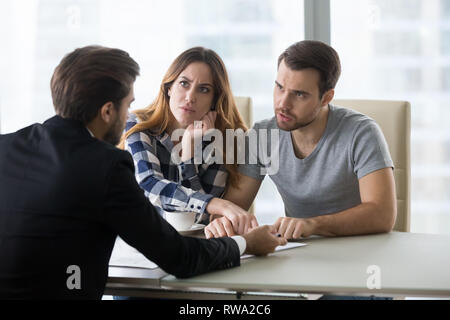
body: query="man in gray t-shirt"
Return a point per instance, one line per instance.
(326, 181)
(332, 166)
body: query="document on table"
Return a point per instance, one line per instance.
(124, 255)
(287, 246)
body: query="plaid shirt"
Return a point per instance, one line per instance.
(171, 187)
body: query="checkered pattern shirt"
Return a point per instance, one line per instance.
(168, 186)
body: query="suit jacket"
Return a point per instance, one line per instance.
(64, 198)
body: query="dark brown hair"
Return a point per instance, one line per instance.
(89, 77)
(316, 55)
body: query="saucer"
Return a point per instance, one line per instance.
(193, 229)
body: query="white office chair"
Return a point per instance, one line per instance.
(394, 119)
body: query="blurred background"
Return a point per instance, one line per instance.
(389, 49)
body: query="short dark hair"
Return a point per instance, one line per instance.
(316, 55)
(89, 77)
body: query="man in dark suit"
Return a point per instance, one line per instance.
(66, 192)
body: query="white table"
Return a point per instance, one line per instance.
(409, 264)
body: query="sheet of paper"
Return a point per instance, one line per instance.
(124, 255)
(287, 246)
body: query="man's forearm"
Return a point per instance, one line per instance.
(363, 219)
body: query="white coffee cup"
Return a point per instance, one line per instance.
(181, 221)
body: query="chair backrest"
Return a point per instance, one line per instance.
(394, 119)
(244, 105)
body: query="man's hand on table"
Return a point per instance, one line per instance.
(294, 228)
(263, 240)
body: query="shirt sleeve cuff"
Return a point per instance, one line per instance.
(242, 244)
(197, 203)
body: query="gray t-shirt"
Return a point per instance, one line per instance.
(326, 181)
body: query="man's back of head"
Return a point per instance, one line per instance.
(89, 77)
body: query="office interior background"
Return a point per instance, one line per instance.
(389, 49)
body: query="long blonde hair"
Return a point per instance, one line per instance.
(156, 116)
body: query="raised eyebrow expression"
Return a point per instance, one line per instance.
(183, 78)
(297, 92)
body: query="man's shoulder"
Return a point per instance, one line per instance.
(7, 139)
(348, 119)
(112, 152)
(75, 141)
(29, 135)
(350, 127)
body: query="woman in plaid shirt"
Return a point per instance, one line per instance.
(195, 96)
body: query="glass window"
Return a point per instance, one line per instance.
(445, 9)
(249, 35)
(400, 50)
